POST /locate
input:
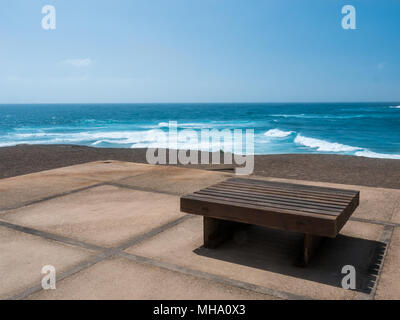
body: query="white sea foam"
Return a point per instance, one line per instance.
(322, 145)
(395, 107)
(116, 137)
(150, 138)
(30, 135)
(276, 133)
(201, 146)
(370, 154)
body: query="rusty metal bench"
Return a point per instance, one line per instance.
(317, 212)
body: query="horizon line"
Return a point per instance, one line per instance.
(194, 102)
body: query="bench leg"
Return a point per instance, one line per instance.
(216, 231)
(311, 243)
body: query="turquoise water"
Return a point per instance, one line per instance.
(362, 129)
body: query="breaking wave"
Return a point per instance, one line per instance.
(276, 133)
(371, 154)
(324, 146)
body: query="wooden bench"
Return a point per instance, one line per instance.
(317, 212)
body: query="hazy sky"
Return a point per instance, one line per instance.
(199, 51)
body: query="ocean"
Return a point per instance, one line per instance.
(361, 129)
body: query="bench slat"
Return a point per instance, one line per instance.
(284, 198)
(329, 198)
(277, 202)
(262, 205)
(293, 188)
(285, 185)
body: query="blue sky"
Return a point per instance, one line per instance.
(199, 51)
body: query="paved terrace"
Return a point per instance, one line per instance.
(113, 230)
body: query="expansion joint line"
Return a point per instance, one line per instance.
(59, 195)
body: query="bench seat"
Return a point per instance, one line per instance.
(316, 212)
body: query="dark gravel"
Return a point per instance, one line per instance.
(25, 159)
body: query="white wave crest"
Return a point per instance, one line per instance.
(322, 145)
(395, 107)
(95, 138)
(31, 135)
(371, 154)
(276, 133)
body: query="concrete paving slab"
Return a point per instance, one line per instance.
(102, 171)
(362, 230)
(17, 191)
(175, 180)
(389, 284)
(125, 279)
(396, 212)
(22, 257)
(266, 257)
(104, 215)
(375, 203)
